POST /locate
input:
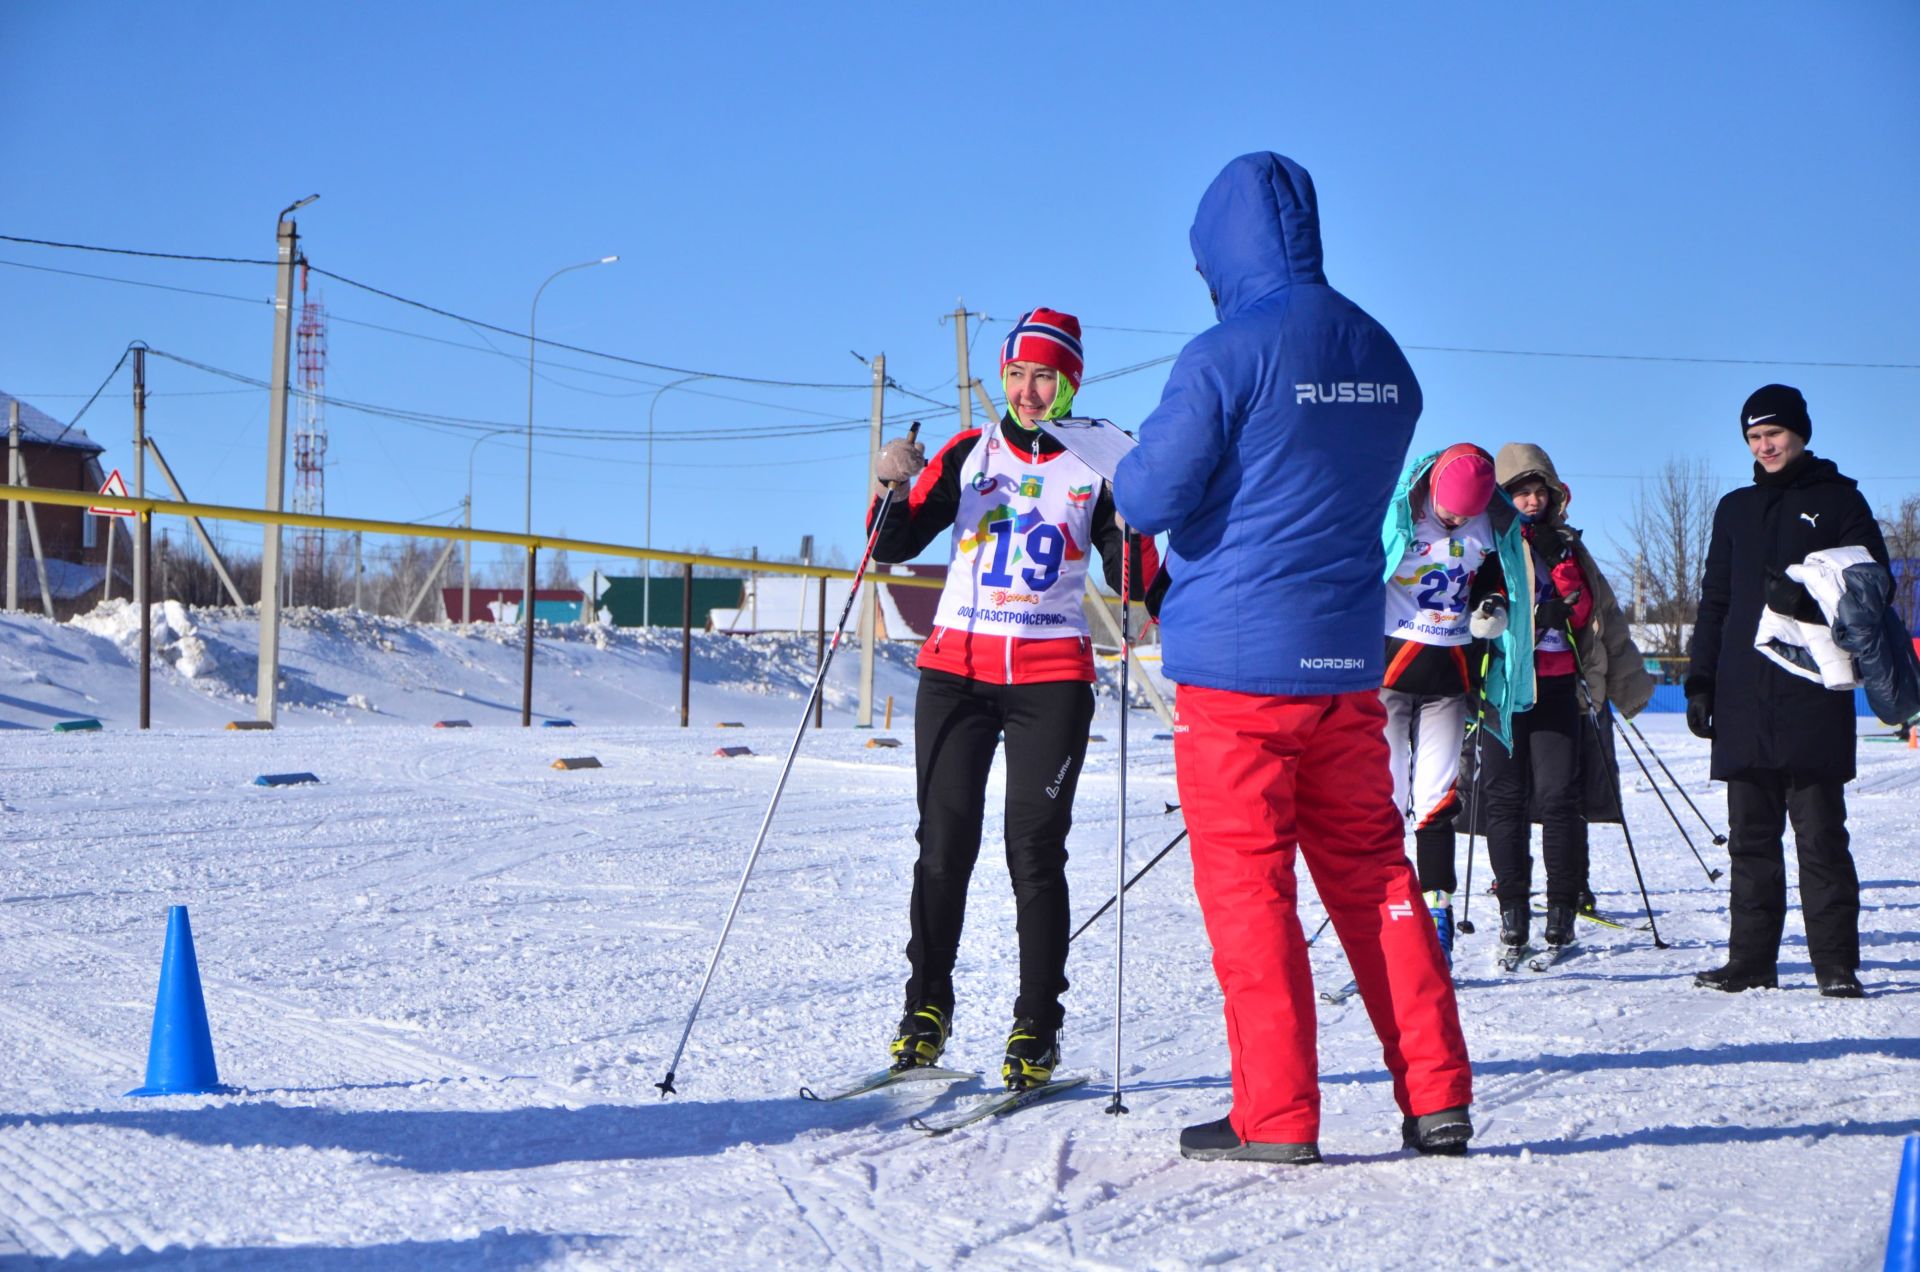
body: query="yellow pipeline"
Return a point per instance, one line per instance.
(586, 547)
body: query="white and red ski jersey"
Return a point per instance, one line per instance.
(1023, 513)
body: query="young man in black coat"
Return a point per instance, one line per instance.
(1783, 745)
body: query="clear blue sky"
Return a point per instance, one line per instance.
(786, 183)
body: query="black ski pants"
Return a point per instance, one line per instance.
(1758, 808)
(957, 726)
(1544, 766)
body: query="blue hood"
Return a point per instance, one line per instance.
(1257, 231)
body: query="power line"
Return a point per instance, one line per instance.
(1656, 357)
(470, 424)
(129, 251)
(96, 396)
(572, 348)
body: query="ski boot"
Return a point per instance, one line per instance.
(1559, 924)
(1440, 906)
(1219, 1142)
(1586, 903)
(1737, 978)
(1442, 1134)
(921, 1038)
(1515, 919)
(1033, 1051)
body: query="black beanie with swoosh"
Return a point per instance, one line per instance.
(1777, 404)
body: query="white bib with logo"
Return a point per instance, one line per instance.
(1020, 541)
(1427, 595)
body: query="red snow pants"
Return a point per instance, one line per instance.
(1260, 777)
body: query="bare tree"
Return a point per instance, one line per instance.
(1901, 529)
(559, 573)
(1666, 551)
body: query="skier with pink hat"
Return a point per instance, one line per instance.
(1451, 538)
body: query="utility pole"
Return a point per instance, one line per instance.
(140, 454)
(13, 509)
(869, 604)
(466, 575)
(267, 691)
(357, 535)
(960, 316)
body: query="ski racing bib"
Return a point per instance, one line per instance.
(1020, 541)
(1427, 595)
(1550, 640)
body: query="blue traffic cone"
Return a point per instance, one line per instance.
(1903, 1234)
(180, 1053)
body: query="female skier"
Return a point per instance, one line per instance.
(1450, 539)
(1010, 655)
(1580, 634)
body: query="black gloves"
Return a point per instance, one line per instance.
(1556, 542)
(1784, 596)
(1700, 714)
(1552, 615)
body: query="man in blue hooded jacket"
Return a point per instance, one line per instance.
(1270, 462)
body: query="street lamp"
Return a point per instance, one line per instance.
(466, 586)
(526, 594)
(646, 593)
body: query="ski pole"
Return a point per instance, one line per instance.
(1465, 925)
(1137, 876)
(1114, 1106)
(760, 839)
(1719, 838)
(1713, 875)
(1613, 772)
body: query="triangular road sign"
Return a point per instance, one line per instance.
(114, 485)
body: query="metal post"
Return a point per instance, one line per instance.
(753, 581)
(13, 512)
(140, 462)
(526, 660)
(267, 691)
(870, 604)
(141, 578)
(199, 529)
(466, 580)
(820, 660)
(686, 641)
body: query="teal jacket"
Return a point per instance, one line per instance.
(1508, 683)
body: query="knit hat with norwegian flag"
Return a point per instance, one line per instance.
(1052, 339)
(1048, 337)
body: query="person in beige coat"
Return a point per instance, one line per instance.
(1610, 665)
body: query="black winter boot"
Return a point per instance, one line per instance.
(1838, 982)
(1737, 978)
(1559, 925)
(1218, 1142)
(1442, 1134)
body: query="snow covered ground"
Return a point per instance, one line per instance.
(447, 978)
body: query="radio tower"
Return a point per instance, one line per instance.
(310, 439)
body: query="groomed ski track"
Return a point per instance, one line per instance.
(447, 978)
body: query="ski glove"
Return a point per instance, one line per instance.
(1489, 619)
(1700, 715)
(900, 462)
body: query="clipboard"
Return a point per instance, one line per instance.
(1100, 444)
